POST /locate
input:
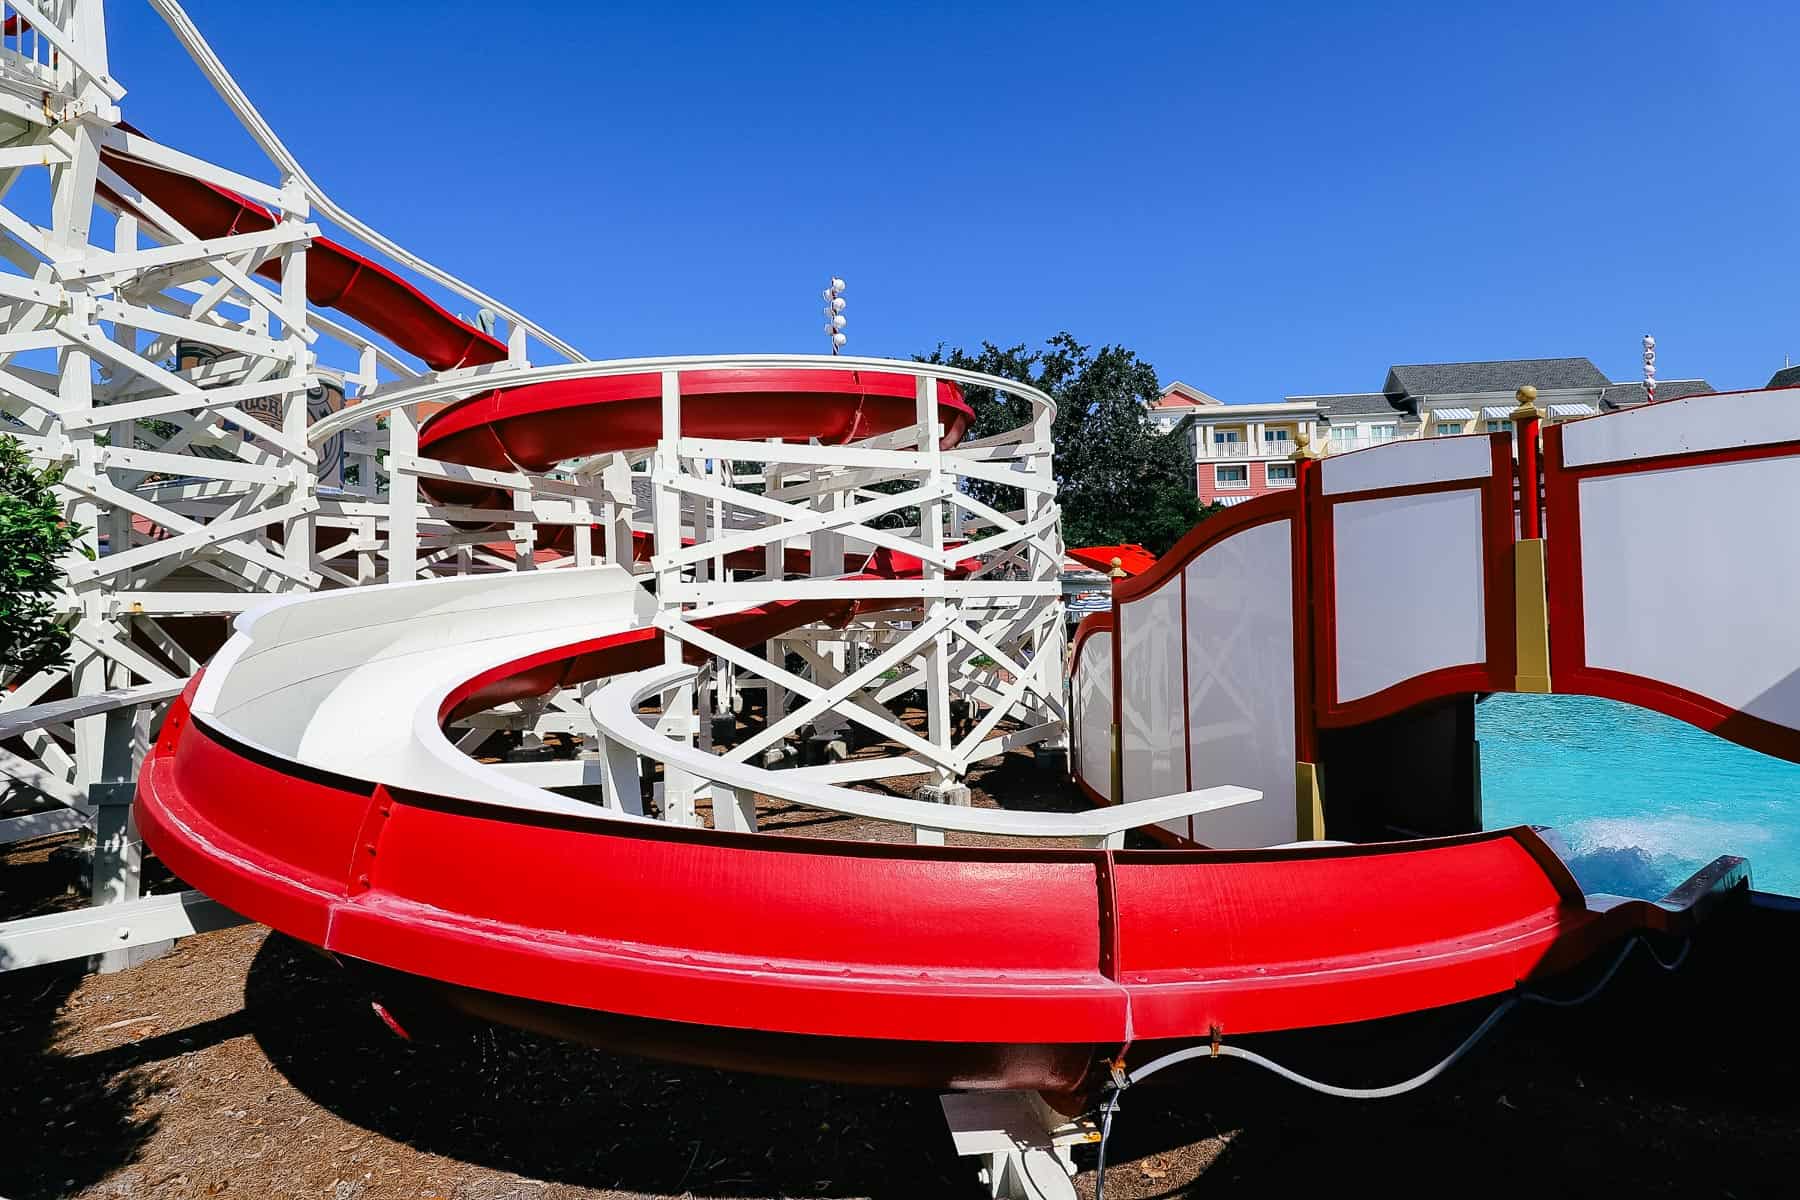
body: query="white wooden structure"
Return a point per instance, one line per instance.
(230, 443)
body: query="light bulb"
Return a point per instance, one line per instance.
(838, 339)
(837, 285)
(838, 322)
(830, 328)
(837, 305)
(826, 295)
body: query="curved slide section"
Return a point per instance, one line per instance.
(304, 780)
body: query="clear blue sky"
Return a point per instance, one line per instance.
(1259, 199)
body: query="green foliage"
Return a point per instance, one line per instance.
(1118, 480)
(33, 537)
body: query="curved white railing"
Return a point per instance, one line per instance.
(735, 785)
(456, 386)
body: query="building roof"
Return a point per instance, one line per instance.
(1786, 377)
(1631, 395)
(1501, 375)
(1180, 395)
(1355, 404)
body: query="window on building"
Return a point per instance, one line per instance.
(1499, 426)
(1447, 429)
(1342, 434)
(1221, 436)
(1281, 472)
(1275, 435)
(1383, 433)
(1230, 477)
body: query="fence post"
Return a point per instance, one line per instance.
(1532, 635)
(1309, 802)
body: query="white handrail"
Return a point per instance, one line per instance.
(195, 43)
(614, 712)
(457, 385)
(33, 717)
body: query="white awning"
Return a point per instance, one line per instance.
(1454, 414)
(1496, 412)
(1572, 410)
(1228, 501)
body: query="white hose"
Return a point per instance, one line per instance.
(1208, 1050)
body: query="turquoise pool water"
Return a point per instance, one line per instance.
(1640, 800)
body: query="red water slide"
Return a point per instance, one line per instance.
(948, 966)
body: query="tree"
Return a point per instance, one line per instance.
(33, 538)
(1118, 480)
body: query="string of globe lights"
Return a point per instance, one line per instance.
(1649, 369)
(834, 314)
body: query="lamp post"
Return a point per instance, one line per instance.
(1649, 369)
(834, 314)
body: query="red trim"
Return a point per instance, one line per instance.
(1213, 529)
(1569, 669)
(1496, 673)
(1530, 515)
(1306, 726)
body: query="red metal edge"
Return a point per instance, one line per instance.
(1496, 673)
(1215, 528)
(756, 935)
(1569, 669)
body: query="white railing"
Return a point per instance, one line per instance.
(1278, 447)
(121, 925)
(625, 738)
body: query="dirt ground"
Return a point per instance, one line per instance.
(241, 1065)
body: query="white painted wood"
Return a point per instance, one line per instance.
(58, 937)
(614, 711)
(1240, 681)
(1411, 598)
(1151, 744)
(1407, 464)
(1684, 584)
(1689, 425)
(1093, 715)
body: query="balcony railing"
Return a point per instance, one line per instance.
(1277, 447)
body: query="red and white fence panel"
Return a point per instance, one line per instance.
(1673, 562)
(1204, 675)
(1412, 564)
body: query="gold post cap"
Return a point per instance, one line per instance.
(1528, 406)
(1118, 569)
(1302, 445)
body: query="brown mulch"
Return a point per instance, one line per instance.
(241, 1064)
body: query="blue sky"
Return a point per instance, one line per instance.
(1260, 200)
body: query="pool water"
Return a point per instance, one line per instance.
(1639, 800)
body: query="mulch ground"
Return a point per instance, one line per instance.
(241, 1065)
